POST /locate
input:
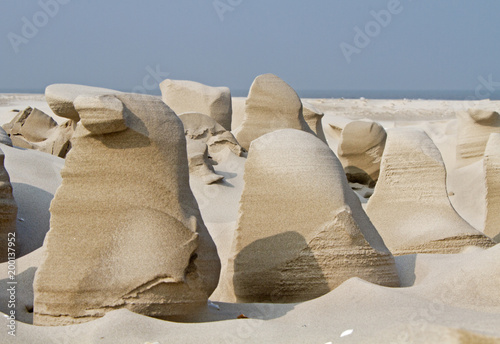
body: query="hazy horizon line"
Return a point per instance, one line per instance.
(450, 94)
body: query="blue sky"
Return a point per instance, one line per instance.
(119, 44)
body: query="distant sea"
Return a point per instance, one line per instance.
(399, 94)
(351, 94)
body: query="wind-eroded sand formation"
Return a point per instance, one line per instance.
(8, 212)
(200, 163)
(301, 230)
(190, 96)
(271, 105)
(34, 129)
(139, 241)
(410, 206)
(313, 117)
(206, 139)
(360, 150)
(474, 129)
(127, 240)
(203, 128)
(61, 97)
(4, 137)
(492, 170)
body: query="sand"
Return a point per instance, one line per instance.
(452, 298)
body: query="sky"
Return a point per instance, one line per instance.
(325, 45)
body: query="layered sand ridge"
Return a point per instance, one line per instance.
(139, 242)
(492, 170)
(8, 213)
(360, 150)
(199, 162)
(206, 142)
(474, 128)
(200, 127)
(410, 206)
(271, 105)
(34, 129)
(301, 230)
(313, 117)
(61, 97)
(190, 96)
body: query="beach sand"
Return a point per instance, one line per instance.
(452, 298)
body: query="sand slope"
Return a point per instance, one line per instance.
(423, 313)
